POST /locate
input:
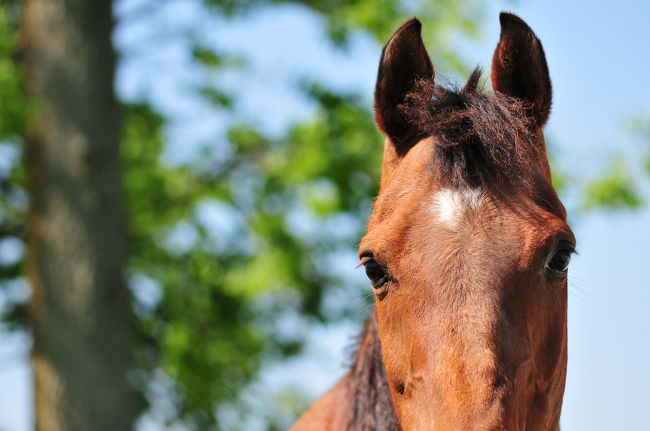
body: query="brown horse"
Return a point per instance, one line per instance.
(467, 252)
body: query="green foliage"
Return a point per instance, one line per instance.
(620, 187)
(207, 331)
(615, 189)
(215, 60)
(14, 112)
(183, 332)
(14, 108)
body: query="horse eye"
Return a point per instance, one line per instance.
(559, 263)
(376, 273)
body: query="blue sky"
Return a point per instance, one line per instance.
(599, 61)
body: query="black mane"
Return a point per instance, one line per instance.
(372, 406)
(484, 140)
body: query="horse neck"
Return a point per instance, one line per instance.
(371, 403)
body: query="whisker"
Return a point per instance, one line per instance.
(579, 292)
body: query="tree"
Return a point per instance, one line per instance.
(79, 311)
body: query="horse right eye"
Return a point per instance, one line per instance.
(559, 263)
(376, 273)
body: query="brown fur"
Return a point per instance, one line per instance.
(519, 68)
(471, 324)
(403, 62)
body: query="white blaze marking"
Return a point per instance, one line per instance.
(451, 205)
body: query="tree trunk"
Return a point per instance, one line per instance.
(76, 243)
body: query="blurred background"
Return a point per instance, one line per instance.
(183, 184)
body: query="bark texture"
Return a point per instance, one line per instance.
(76, 242)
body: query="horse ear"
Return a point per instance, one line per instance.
(404, 59)
(519, 67)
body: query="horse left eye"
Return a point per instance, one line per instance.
(559, 263)
(376, 273)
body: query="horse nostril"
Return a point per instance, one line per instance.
(499, 383)
(399, 387)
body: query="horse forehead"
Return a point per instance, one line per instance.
(465, 221)
(424, 216)
(450, 206)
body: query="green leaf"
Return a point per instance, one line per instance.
(616, 189)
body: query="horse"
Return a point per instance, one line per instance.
(467, 252)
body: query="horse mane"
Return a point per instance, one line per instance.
(483, 139)
(371, 404)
